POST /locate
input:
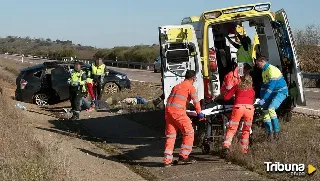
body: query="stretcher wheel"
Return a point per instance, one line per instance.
(206, 148)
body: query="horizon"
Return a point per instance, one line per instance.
(95, 24)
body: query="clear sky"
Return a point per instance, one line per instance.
(108, 23)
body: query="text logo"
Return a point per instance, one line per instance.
(295, 169)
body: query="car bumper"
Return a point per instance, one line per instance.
(24, 95)
(124, 84)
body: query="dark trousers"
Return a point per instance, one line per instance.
(75, 98)
(97, 88)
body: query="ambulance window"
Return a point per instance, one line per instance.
(178, 56)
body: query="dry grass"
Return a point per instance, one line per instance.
(22, 157)
(149, 91)
(13, 66)
(299, 143)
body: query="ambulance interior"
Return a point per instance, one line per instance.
(226, 52)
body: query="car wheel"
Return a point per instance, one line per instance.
(111, 88)
(41, 99)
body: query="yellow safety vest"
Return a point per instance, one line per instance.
(244, 56)
(77, 77)
(98, 70)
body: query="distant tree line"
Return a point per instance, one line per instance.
(138, 53)
(45, 47)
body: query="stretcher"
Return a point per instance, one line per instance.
(210, 134)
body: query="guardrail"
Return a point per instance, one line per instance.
(120, 64)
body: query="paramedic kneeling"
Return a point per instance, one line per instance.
(274, 91)
(243, 107)
(177, 119)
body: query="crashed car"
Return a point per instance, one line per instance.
(47, 83)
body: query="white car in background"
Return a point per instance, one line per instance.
(157, 65)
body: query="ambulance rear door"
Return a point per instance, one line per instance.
(179, 51)
(296, 71)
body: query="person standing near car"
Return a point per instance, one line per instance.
(98, 71)
(77, 82)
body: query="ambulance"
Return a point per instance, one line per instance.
(199, 44)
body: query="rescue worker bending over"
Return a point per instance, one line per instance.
(77, 84)
(177, 119)
(244, 53)
(98, 71)
(273, 92)
(243, 107)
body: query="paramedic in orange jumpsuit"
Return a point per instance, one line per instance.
(243, 107)
(231, 79)
(177, 119)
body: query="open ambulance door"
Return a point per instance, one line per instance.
(296, 73)
(179, 51)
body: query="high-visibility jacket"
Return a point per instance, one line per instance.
(78, 76)
(180, 96)
(230, 80)
(273, 82)
(244, 56)
(98, 70)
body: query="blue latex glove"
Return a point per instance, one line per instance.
(76, 83)
(201, 115)
(261, 102)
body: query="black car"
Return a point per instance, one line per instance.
(47, 83)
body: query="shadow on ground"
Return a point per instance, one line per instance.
(133, 138)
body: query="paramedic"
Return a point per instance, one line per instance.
(231, 79)
(77, 83)
(244, 53)
(98, 71)
(273, 92)
(177, 119)
(243, 107)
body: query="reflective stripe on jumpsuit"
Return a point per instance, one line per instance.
(177, 119)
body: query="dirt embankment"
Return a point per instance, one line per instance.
(35, 145)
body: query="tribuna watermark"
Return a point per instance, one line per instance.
(292, 168)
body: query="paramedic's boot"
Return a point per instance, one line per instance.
(270, 137)
(167, 164)
(75, 116)
(224, 153)
(183, 161)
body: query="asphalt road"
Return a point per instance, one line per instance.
(312, 94)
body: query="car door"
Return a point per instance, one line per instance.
(179, 52)
(296, 73)
(59, 79)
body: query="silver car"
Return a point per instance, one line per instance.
(157, 65)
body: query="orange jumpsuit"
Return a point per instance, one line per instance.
(243, 107)
(177, 119)
(230, 80)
